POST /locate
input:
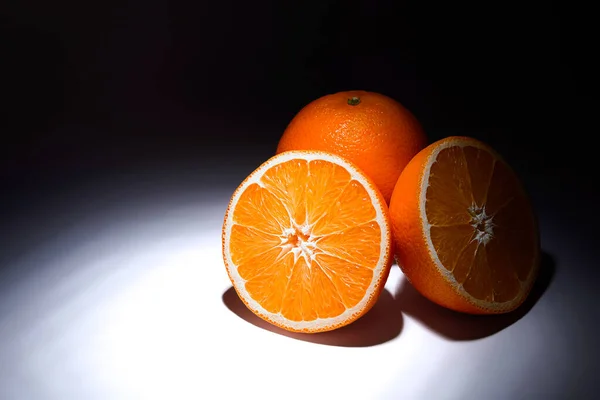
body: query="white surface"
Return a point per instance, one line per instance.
(127, 302)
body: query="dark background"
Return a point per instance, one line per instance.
(101, 84)
(101, 89)
(105, 88)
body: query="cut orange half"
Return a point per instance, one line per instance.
(307, 241)
(465, 233)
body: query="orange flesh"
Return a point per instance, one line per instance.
(310, 254)
(482, 226)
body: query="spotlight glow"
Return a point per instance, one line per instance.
(130, 302)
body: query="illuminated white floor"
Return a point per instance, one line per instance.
(134, 303)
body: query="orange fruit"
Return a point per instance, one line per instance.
(307, 242)
(465, 234)
(373, 131)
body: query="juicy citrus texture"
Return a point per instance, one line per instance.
(466, 236)
(307, 242)
(374, 132)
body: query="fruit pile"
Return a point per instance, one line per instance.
(310, 236)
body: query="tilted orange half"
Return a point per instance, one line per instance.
(465, 233)
(307, 241)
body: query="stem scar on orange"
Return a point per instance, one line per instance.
(373, 131)
(307, 241)
(465, 233)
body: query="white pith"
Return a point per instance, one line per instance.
(481, 222)
(307, 248)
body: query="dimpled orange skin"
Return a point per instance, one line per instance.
(378, 134)
(410, 245)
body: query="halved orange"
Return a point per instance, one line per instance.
(307, 241)
(465, 233)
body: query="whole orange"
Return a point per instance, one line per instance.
(372, 130)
